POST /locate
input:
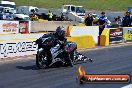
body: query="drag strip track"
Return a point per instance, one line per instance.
(23, 73)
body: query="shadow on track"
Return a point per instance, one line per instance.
(32, 67)
(81, 59)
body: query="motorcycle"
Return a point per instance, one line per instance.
(57, 53)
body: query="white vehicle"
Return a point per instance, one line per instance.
(27, 10)
(21, 17)
(11, 6)
(68, 8)
(75, 13)
(8, 11)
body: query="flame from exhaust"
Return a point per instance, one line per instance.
(81, 71)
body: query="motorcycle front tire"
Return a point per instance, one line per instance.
(41, 60)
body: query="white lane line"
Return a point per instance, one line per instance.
(127, 86)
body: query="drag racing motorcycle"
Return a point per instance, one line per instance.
(58, 54)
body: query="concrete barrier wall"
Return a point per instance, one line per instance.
(115, 36)
(23, 44)
(20, 36)
(83, 31)
(83, 41)
(37, 26)
(104, 37)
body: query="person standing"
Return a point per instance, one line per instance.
(89, 20)
(103, 22)
(34, 17)
(126, 20)
(118, 21)
(50, 15)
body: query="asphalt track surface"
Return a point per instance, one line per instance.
(22, 73)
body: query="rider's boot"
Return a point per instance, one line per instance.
(68, 61)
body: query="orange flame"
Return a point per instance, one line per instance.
(81, 71)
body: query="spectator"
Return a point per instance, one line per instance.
(118, 21)
(50, 15)
(103, 22)
(127, 20)
(63, 17)
(89, 20)
(34, 17)
(54, 18)
(95, 19)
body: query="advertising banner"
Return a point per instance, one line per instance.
(17, 48)
(23, 27)
(116, 35)
(127, 33)
(9, 27)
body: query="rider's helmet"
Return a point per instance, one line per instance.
(60, 32)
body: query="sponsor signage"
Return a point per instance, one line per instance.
(23, 27)
(116, 35)
(127, 33)
(19, 48)
(9, 27)
(83, 77)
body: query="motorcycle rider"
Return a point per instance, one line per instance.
(58, 37)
